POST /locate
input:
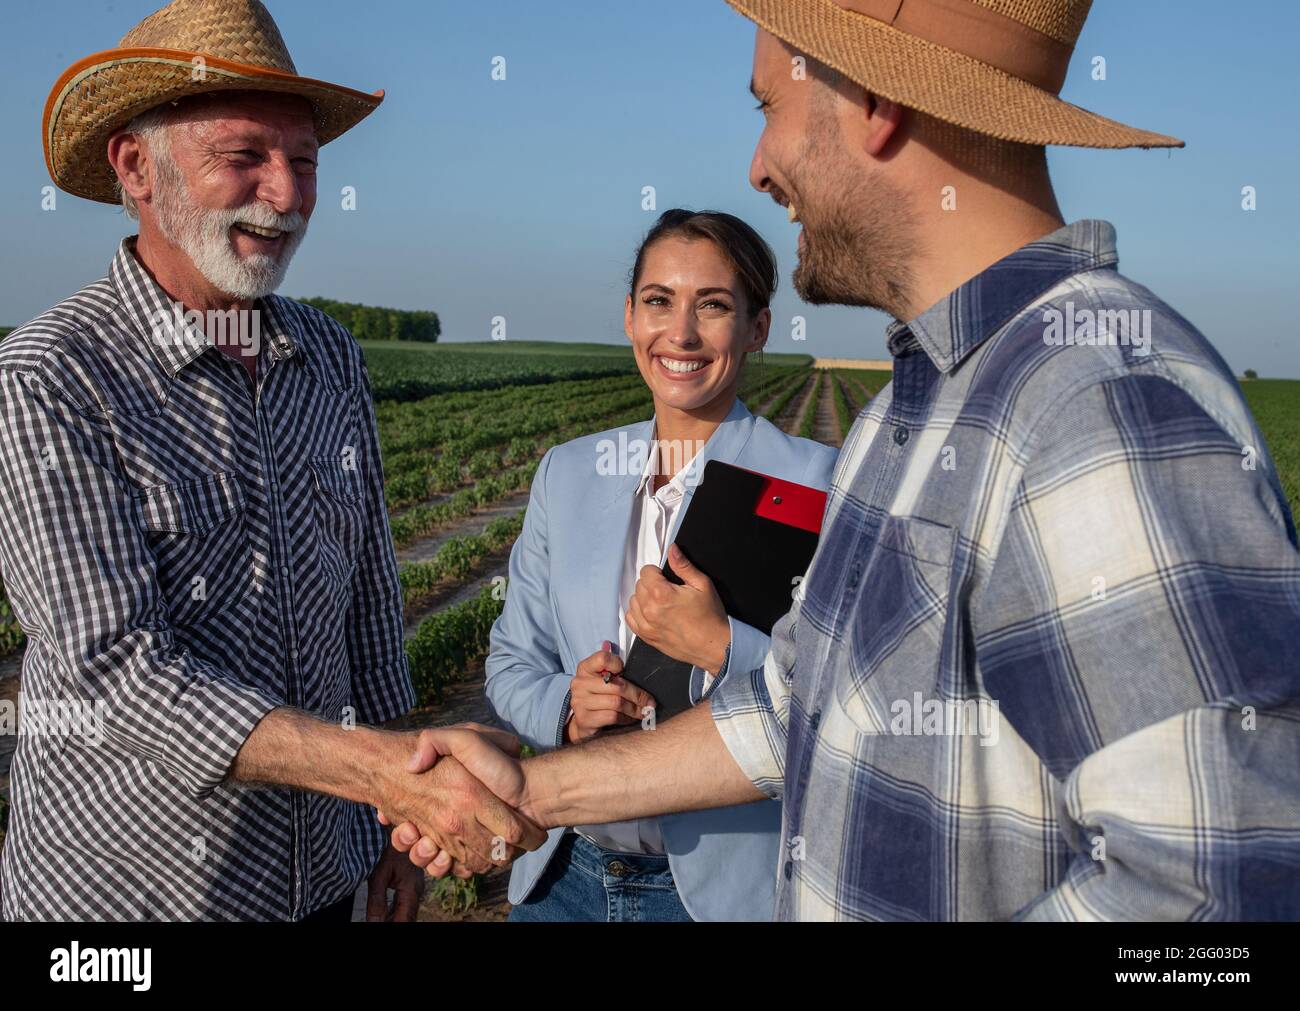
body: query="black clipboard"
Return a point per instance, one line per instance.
(753, 535)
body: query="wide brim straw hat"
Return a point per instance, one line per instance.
(188, 48)
(992, 66)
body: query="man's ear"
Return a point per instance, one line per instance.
(884, 116)
(130, 161)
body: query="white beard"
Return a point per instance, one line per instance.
(204, 235)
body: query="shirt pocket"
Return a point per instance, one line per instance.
(202, 552)
(895, 640)
(340, 515)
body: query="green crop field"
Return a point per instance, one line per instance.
(1276, 406)
(414, 371)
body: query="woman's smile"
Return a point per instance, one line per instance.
(682, 368)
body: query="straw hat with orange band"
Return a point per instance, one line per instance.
(992, 66)
(188, 48)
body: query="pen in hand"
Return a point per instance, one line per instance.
(606, 647)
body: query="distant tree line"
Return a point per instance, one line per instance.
(372, 323)
(366, 322)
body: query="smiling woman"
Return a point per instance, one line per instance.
(697, 306)
(603, 511)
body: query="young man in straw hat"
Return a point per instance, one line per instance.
(197, 543)
(1046, 661)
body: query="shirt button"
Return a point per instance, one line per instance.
(284, 571)
(855, 573)
(815, 720)
(788, 870)
(900, 434)
(618, 868)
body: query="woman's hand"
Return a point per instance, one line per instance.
(597, 704)
(686, 622)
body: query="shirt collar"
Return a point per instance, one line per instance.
(958, 323)
(676, 484)
(152, 312)
(645, 486)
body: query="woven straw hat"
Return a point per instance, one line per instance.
(187, 48)
(992, 66)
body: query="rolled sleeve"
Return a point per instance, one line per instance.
(752, 711)
(210, 723)
(384, 693)
(751, 696)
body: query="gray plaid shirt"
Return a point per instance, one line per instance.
(185, 554)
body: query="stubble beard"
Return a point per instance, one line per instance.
(859, 236)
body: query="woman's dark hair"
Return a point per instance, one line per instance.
(750, 255)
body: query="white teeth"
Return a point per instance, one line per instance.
(673, 365)
(794, 214)
(266, 233)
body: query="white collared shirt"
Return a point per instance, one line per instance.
(653, 515)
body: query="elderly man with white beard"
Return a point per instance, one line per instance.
(197, 543)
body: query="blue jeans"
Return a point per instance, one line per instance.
(584, 883)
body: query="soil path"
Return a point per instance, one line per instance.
(788, 419)
(826, 427)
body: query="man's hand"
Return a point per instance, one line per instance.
(686, 622)
(293, 748)
(597, 704)
(683, 765)
(498, 770)
(451, 806)
(396, 872)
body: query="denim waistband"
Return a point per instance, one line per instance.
(628, 868)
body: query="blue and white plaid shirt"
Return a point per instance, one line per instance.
(1046, 661)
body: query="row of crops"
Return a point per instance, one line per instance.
(800, 392)
(414, 373)
(432, 444)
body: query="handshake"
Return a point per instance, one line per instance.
(462, 805)
(466, 802)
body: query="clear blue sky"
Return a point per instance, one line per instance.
(522, 198)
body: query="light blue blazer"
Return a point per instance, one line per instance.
(562, 600)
